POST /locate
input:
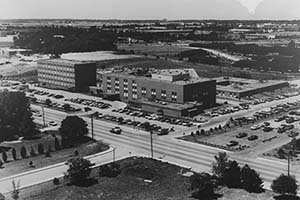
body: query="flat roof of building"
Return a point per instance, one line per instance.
(190, 80)
(168, 105)
(64, 61)
(247, 84)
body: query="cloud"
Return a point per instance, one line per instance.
(251, 5)
(148, 9)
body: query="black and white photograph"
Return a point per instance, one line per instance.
(149, 99)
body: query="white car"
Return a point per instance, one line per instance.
(52, 123)
(255, 127)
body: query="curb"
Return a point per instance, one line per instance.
(55, 165)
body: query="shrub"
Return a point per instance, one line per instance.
(1, 163)
(50, 148)
(4, 156)
(23, 152)
(285, 185)
(79, 170)
(55, 181)
(202, 186)
(48, 153)
(56, 144)
(251, 180)
(14, 153)
(109, 170)
(41, 148)
(32, 152)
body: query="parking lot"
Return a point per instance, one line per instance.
(257, 132)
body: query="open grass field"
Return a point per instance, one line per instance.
(140, 179)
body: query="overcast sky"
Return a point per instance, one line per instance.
(151, 9)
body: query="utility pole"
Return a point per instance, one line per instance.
(290, 153)
(114, 154)
(151, 144)
(92, 125)
(289, 162)
(43, 113)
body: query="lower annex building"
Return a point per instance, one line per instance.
(172, 93)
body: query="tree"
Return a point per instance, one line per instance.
(4, 156)
(231, 176)
(202, 186)
(56, 144)
(67, 107)
(79, 169)
(40, 148)
(48, 102)
(23, 152)
(2, 197)
(250, 180)
(202, 132)
(32, 152)
(16, 190)
(1, 163)
(15, 114)
(284, 184)
(73, 129)
(14, 153)
(146, 126)
(220, 165)
(120, 120)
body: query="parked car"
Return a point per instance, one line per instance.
(232, 143)
(255, 127)
(253, 137)
(267, 129)
(241, 135)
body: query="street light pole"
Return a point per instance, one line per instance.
(92, 126)
(43, 112)
(289, 162)
(114, 154)
(151, 144)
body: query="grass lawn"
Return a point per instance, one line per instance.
(140, 179)
(20, 165)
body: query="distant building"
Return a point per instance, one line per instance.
(70, 75)
(8, 52)
(236, 88)
(173, 93)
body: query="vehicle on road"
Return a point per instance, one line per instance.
(116, 130)
(52, 123)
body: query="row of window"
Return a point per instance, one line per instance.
(56, 68)
(64, 75)
(57, 78)
(59, 83)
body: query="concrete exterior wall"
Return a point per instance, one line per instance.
(85, 76)
(201, 91)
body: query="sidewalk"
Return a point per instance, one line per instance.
(48, 173)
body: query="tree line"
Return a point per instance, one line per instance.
(59, 39)
(15, 116)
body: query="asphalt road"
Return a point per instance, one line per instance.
(136, 142)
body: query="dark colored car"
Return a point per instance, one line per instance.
(253, 137)
(267, 129)
(232, 143)
(241, 135)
